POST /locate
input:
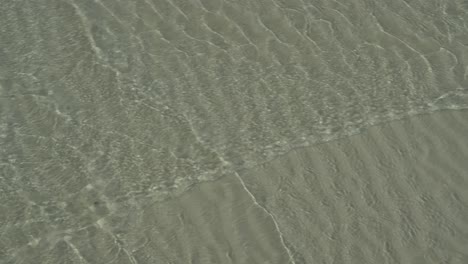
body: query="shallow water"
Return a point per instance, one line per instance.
(167, 93)
(138, 100)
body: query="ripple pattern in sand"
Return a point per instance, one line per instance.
(393, 194)
(143, 98)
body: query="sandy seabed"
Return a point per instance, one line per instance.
(394, 194)
(174, 131)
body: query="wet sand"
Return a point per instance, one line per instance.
(118, 117)
(394, 194)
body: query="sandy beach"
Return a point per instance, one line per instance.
(393, 194)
